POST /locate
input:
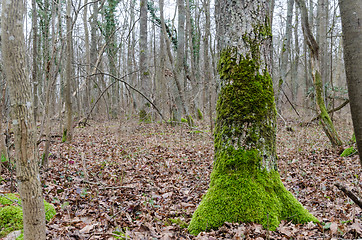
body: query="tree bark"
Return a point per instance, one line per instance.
(34, 23)
(143, 60)
(285, 51)
(351, 12)
(245, 185)
(27, 170)
(68, 129)
(326, 121)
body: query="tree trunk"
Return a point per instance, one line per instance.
(245, 185)
(351, 12)
(323, 44)
(174, 71)
(34, 23)
(27, 170)
(68, 130)
(180, 70)
(143, 61)
(326, 121)
(86, 98)
(295, 82)
(285, 51)
(110, 35)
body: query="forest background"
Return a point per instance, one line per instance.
(111, 71)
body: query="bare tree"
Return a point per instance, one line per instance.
(27, 170)
(68, 129)
(326, 121)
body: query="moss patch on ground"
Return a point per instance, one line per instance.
(11, 214)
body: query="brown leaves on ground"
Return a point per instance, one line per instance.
(124, 180)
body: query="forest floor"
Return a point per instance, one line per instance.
(130, 180)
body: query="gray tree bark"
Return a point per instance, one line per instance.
(27, 170)
(351, 12)
(68, 129)
(285, 51)
(143, 60)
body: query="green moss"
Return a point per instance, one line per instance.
(179, 222)
(200, 116)
(241, 191)
(11, 214)
(184, 120)
(349, 152)
(64, 137)
(11, 219)
(21, 237)
(143, 116)
(245, 108)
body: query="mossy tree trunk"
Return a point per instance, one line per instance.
(326, 121)
(27, 170)
(245, 185)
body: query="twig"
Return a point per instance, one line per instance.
(13, 200)
(84, 167)
(349, 193)
(103, 185)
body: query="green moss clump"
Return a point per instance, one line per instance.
(64, 137)
(349, 152)
(143, 116)
(184, 120)
(200, 116)
(240, 191)
(11, 214)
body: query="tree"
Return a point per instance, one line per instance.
(245, 185)
(351, 12)
(285, 51)
(67, 131)
(143, 59)
(314, 48)
(27, 170)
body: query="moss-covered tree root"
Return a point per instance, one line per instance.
(246, 194)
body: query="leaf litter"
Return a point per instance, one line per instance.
(129, 180)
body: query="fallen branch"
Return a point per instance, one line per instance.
(332, 110)
(349, 193)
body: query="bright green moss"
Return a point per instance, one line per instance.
(240, 191)
(11, 219)
(11, 214)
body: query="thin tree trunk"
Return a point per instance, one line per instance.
(68, 130)
(285, 52)
(35, 58)
(326, 121)
(87, 58)
(143, 60)
(175, 75)
(27, 170)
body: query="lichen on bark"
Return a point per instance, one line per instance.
(245, 185)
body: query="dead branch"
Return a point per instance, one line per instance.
(349, 193)
(332, 110)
